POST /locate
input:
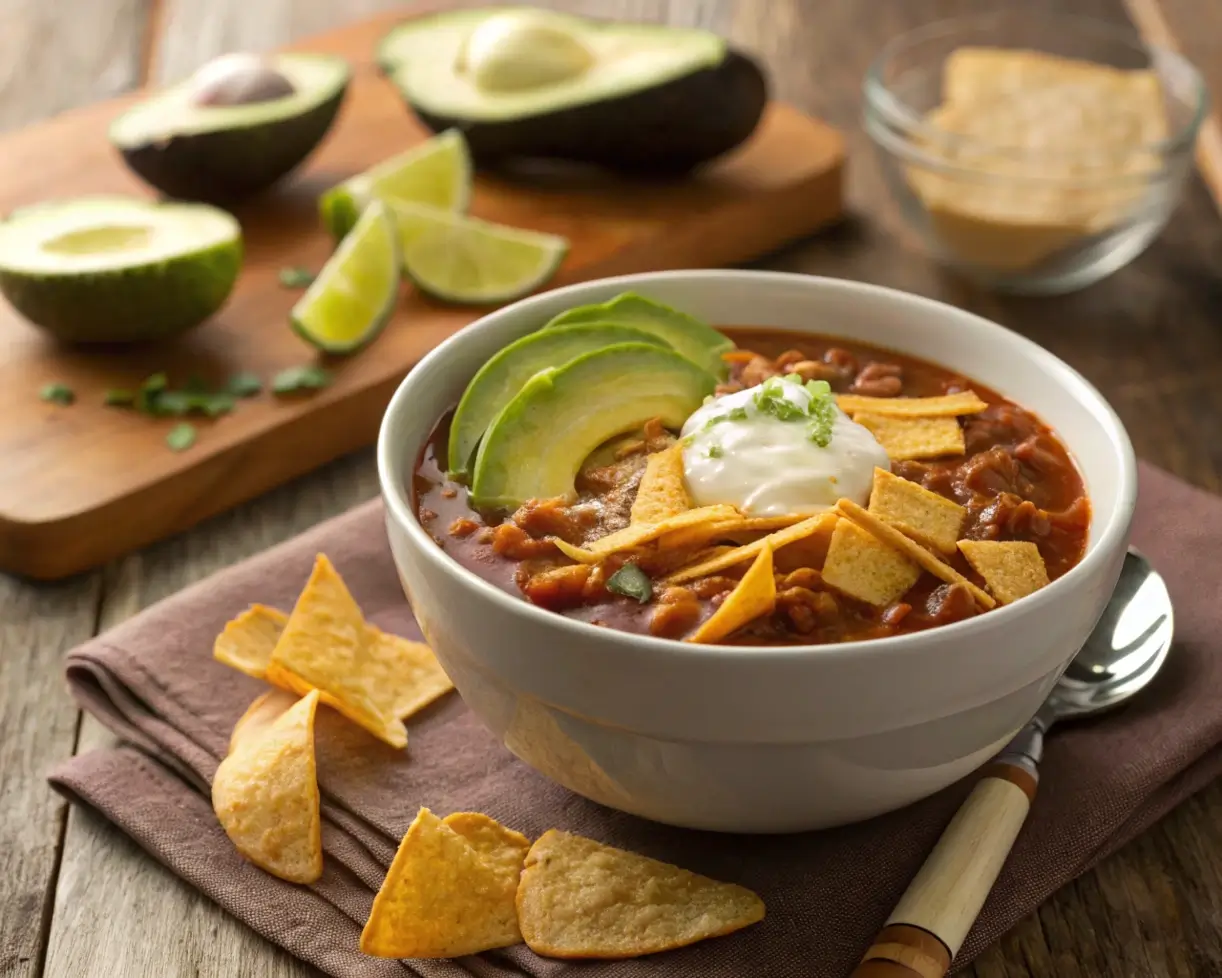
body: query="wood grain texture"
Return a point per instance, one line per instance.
(1147, 336)
(84, 484)
(54, 56)
(92, 54)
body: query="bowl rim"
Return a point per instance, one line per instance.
(1114, 527)
(879, 98)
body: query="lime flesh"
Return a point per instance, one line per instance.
(436, 173)
(463, 259)
(354, 295)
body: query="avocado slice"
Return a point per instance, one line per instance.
(235, 127)
(110, 269)
(536, 445)
(500, 379)
(527, 83)
(697, 341)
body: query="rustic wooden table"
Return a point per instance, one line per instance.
(78, 898)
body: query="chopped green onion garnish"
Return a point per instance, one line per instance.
(716, 451)
(181, 437)
(57, 394)
(631, 582)
(296, 277)
(293, 379)
(244, 384)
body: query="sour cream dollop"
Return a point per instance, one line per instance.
(767, 465)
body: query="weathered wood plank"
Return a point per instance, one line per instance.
(52, 57)
(37, 729)
(57, 55)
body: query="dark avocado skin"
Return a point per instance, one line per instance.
(226, 166)
(664, 130)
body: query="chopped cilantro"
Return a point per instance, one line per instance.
(150, 390)
(244, 384)
(304, 378)
(737, 414)
(296, 277)
(771, 399)
(117, 397)
(57, 393)
(631, 582)
(820, 411)
(181, 437)
(716, 451)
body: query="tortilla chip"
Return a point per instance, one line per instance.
(247, 641)
(888, 534)
(636, 534)
(775, 541)
(863, 567)
(662, 492)
(944, 406)
(904, 438)
(440, 899)
(327, 646)
(702, 535)
(403, 676)
(265, 795)
(261, 714)
(579, 554)
(1011, 569)
(753, 597)
(581, 899)
(501, 848)
(928, 518)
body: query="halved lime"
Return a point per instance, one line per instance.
(436, 173)
(463, 259)
(355, 293)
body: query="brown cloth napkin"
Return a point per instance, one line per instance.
(154, 683)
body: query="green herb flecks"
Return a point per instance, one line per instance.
(244, 384)
(631, 582)
(296, 277)
(181, 437)
(157, 399)
(822, 411)
(118, 397)
(716, 451)
(150, 390)
(57, 393)
(734, 414)
(819, 411)
(309, 377)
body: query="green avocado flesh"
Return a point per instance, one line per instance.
(223, 153)
(527, 83)
(118, 269)
(502, 377)
(536, 445)
(697, 341)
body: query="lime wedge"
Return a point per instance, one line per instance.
(355, 293)
(436, 173)
(462, 259)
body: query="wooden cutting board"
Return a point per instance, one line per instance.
(85, 483)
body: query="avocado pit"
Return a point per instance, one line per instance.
(235, 127)
(522, 50)
(238, 79)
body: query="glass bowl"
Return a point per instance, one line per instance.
(1022, 186)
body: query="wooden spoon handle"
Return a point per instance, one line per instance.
(928, 925)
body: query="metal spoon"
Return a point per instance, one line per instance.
(1124, 652)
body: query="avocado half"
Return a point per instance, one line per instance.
(524, 83)
(193, 148)
(111, 269)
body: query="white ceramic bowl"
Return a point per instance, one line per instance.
(761, 739)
